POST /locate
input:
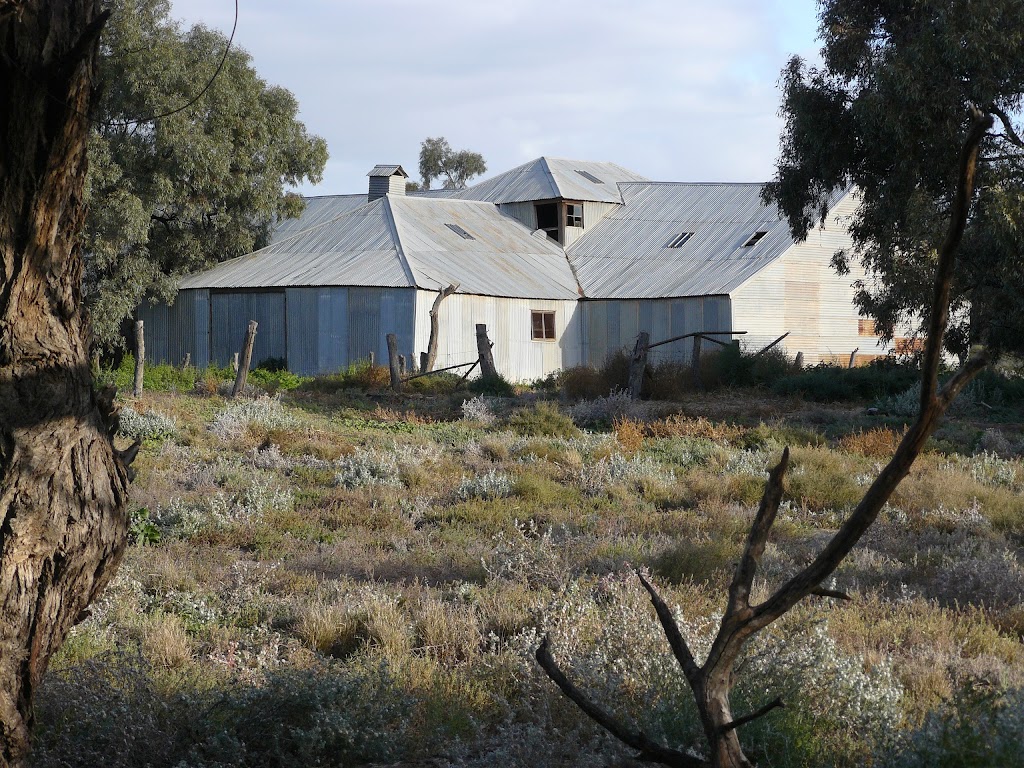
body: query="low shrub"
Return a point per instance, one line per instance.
(496, 386)
(582, 382)
(828, 383)
(151, 425)
(544, 419)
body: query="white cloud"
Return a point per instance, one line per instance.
(681, 89)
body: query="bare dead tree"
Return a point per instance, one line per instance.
(712, 681)
(63, 487)
(431, 354)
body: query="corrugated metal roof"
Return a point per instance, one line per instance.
(399, 241)
(626, 255)
(318, 211)
(547, 178)
(501, 259)
(387, 170)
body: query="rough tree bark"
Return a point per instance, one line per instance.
(712, 681)
(62, 485)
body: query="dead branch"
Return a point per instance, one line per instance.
(740, 721)
(835, 594)
(675, 638)
(1011, 134)
(638, 740)
(739, 590)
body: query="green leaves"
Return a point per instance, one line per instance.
(888, 112)
(178, 193)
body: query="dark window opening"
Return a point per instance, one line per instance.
(460, 231)
(678, 240)
(574, 214)
(754, 239)
(589, 176)
(543, 326)
(547, 219)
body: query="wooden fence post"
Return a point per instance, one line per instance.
(245, 360)
(483, 346)
(140, 358)
(372, 358)
(234, 363)
(799, 360)
(401, 366)
(396, 376)
(187, 361)
(695, 363)
(853, 357)
(637, 364)
(425, 362)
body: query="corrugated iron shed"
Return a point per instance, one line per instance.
(627, 255)
(399, 241)
(547, 178)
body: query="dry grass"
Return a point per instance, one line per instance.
(445, 593)
(879, 442)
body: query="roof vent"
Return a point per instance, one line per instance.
(754, 239)
(589, 176)
(460, 231)
(678, 240)
(386, 180)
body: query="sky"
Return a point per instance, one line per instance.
(676, 90)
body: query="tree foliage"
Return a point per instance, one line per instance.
(172, 195)
(885, 111)
(438, 160)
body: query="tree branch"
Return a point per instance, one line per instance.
(776, 704)
(675, 638)
(1011, 134)
(649, 750)
(739, 590)
(932, 406)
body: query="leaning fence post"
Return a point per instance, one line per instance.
(853, 357)
(483, 345)
(246, 359)
(695, 363)
(637, 364)
(140, 358)
(396, 375)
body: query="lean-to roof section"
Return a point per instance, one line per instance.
(400, 241)
(626, 254)
(547, 178)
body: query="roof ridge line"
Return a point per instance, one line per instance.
(396, 238)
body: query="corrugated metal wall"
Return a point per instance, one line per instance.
(611, 325)
(516, 355)
(230, 313)
(330, 328)
(177, 330)
(802, 294)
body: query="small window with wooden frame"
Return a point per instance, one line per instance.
(542, 325)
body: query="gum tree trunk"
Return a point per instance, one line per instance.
(62, 485)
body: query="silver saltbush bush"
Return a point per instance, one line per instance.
(489, 485)
(151, 425)
(267, 412)
(367, 468)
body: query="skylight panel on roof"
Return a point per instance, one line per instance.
(679, 239)
(754, 239)
(589, 176)
(460, 231)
